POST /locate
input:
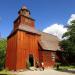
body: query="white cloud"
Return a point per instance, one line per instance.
(56, 29)
(71, 18)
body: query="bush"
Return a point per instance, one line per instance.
(2, 53)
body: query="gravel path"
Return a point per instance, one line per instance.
(45, 72)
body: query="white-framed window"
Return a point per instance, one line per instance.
(53, 56)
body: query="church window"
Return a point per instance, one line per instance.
(53, 56)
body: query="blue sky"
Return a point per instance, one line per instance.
(45, 12)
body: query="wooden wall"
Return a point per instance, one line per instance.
(27, 21)
(23, 20)
(11, 53)
(46, 57)
(27, 43)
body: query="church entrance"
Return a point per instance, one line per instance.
(31, 60)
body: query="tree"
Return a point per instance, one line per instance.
(69, 43)
(2, 52)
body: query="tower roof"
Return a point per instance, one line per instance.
(24, 7)
(24, 10)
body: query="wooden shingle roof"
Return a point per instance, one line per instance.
(28, 29)
(25, 28)
(49, 42)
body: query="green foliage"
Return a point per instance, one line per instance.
(6, 72)
(69, 43)
(2, 52)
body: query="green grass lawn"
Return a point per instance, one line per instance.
(5, 72)
(66, 67)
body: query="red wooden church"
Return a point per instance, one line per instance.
(27, 45)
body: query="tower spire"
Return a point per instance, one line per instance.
(24, 7)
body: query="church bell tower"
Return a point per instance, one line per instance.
(24, 18)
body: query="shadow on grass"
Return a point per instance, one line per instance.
(72, 71)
